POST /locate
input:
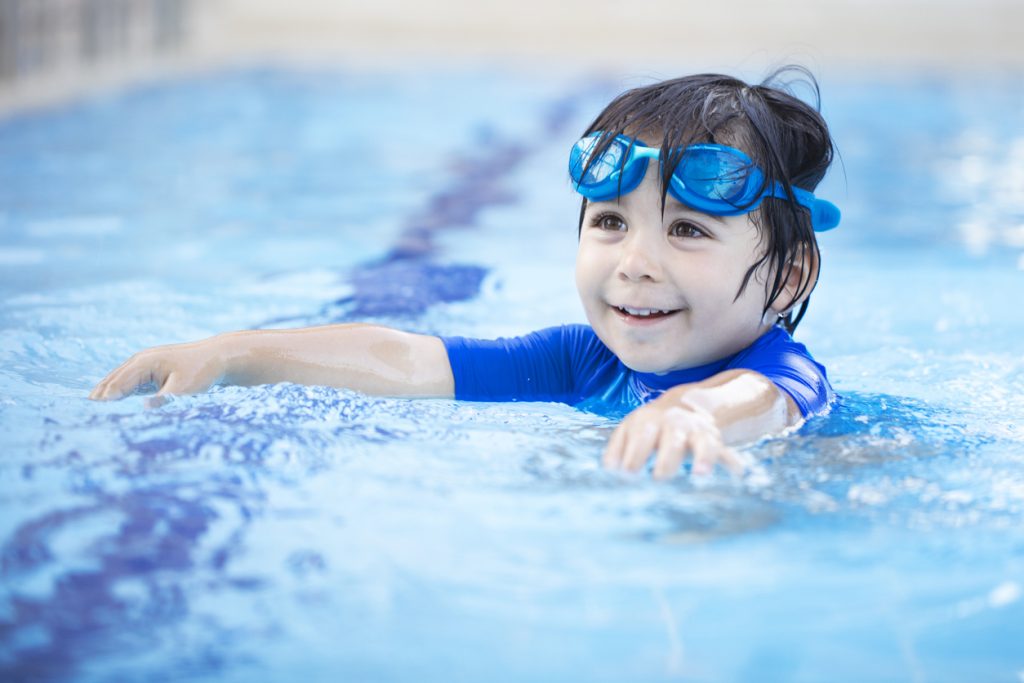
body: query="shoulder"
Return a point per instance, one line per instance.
(776, 342)
(582, 344)
(575, 346)
(547, 364)
(574, 340)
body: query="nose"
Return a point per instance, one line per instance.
(639, 260)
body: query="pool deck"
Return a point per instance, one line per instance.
(646, 38)
(603, 33)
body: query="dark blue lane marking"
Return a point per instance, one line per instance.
(406, 288)
(407, 280)
(85, 615)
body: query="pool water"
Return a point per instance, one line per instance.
(286, 533)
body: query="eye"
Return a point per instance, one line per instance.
(609, 221)
(688, 230)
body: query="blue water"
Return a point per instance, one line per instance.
(301, 533)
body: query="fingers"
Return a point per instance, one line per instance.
(174, 384)
(706, 449)
(672, 448)
(736, 462)
(671, 435)
(146, 367)
(631, 443)
(613, 451)
(108, 387)
(99, 392)
(639, 448)
(126, 378)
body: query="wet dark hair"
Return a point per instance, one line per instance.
(785, 136)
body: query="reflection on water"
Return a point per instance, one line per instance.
(987, 175)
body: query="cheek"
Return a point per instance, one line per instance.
(708, 275)
(583, 288)
(588, 269)
(716, 283)
(757, 285)
(579, 272)
(744, 299)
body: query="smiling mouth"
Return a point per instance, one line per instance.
(639, 314)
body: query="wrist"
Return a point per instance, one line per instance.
(703, 416)
(229, 352)
(689, 398)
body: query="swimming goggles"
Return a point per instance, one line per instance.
(713, 179)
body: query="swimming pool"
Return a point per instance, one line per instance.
(301, 533)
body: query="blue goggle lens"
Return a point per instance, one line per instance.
(714, 174)
(602, 169)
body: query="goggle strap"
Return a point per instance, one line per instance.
(824, 214)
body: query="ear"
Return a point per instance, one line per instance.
(801, 274)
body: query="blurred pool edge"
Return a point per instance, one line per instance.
(839, 39)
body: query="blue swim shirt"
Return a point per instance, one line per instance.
(569, 364)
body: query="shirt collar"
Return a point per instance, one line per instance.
(659, 383)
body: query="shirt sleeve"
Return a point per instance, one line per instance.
(534, 367)
(790, 366)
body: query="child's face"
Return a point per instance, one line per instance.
(632, 260)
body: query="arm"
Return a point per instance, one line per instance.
(367, 358)
(704, 419)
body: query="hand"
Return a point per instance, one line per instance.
(174, 369)
(673, 429)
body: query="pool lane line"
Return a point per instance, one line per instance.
(408, 280)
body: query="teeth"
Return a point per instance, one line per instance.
(643, 312)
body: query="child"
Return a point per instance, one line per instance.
(696, 259)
